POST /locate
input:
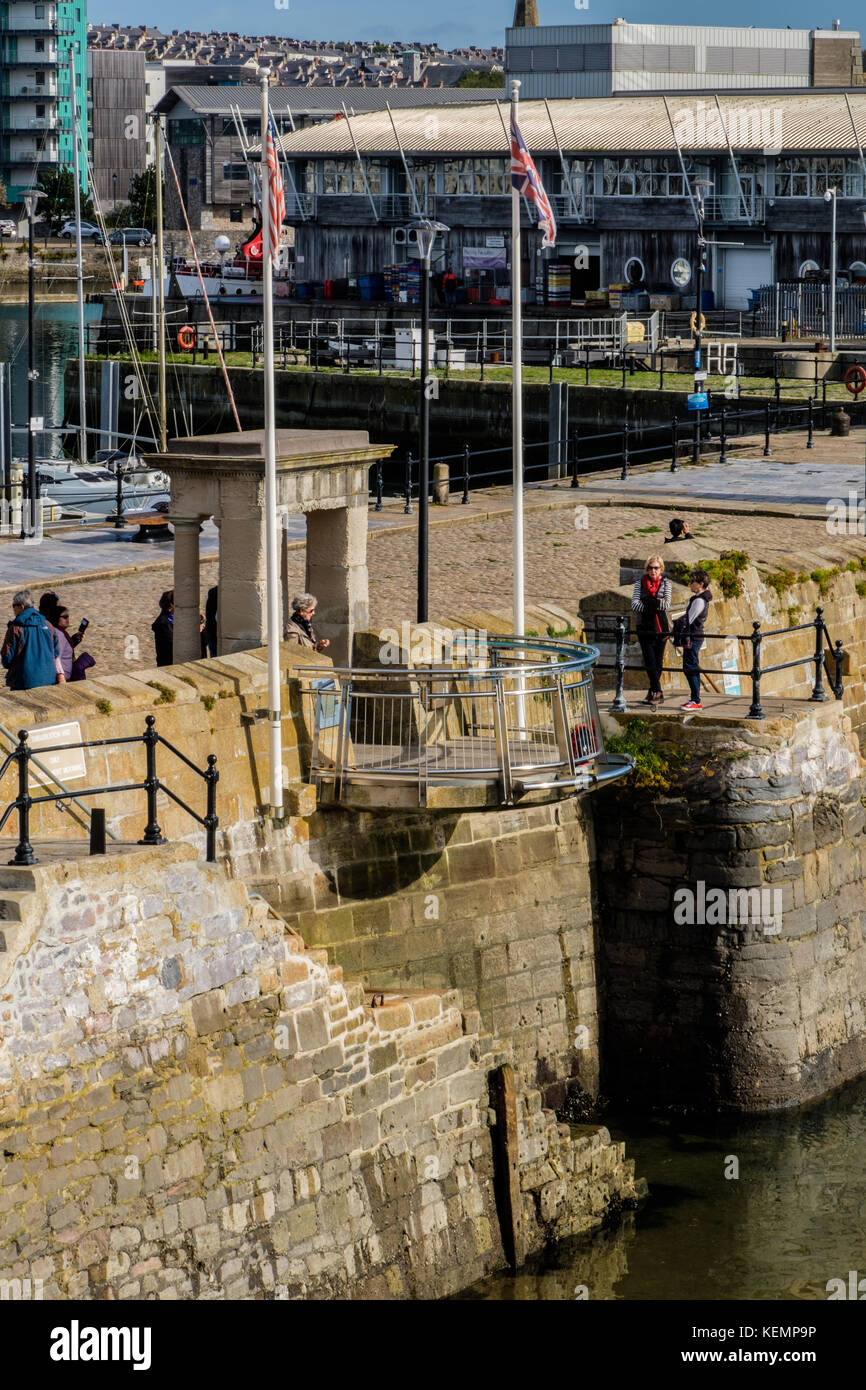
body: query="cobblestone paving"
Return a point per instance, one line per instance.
(470, 568)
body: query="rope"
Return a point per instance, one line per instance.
(204, 292)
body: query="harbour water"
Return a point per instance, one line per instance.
(56, 334)
(769, 1208)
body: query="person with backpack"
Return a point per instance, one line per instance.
(650, 601)
(689, 635)
(30, 653)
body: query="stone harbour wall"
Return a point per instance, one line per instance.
(194, 1105)
(722, 1012)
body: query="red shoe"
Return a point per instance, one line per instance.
(692, 704)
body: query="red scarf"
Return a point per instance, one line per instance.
(651, 587)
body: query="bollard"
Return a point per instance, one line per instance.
(23, 850)
(97, 830)
(840, 425)
(407, 491)
(619, 701)
(839, 658)
(818, 691)
(150, 738)
(464, 500)
(756, 710)
(674, 442)
(378, 507)
(574, 445)
(810, 424)
(766, 429)
(441, 484)
(723, 436)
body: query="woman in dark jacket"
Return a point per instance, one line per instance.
(692, 634)
(163, 629)
(650, 601)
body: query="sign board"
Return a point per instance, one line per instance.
(494, 239)
(700, 376)
(37, 422)
(729, 664)
(698, 400)
(67, 764)
(484, 257)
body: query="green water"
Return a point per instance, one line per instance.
(793, 1219)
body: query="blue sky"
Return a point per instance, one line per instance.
(451, 23)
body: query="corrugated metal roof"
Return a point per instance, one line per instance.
(217, 101)
(596, 125)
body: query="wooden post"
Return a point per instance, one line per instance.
(505, 1144)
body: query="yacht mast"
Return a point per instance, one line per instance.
(79, 271)
(160, 289)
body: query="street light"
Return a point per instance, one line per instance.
(31, 198)
(830, 197)
(425, 232)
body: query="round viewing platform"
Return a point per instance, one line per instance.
(502, 721)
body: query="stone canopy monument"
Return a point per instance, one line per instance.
(321, 474)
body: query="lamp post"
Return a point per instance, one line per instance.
(700, 267)
(426, 232)
(830, 197)
(28, 527)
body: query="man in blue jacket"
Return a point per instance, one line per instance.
(30, 652)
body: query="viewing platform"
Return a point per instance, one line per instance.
(514, 723)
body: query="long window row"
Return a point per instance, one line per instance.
(651, 176)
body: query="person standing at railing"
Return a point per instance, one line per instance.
(689, 635)
(30, 652)
(650, 601)
(449, 287)
(299, 628)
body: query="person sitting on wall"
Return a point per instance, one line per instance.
(31, 652)
(650, 601)
(299, 628)
(679, 531)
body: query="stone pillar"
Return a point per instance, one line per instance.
(242, 611)
(337, 575)
(187, 584)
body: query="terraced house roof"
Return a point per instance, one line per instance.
(774, 122)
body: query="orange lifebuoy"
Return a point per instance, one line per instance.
(855, 379)
(186, 338)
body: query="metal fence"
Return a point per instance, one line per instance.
(522, 717)
(801, 308)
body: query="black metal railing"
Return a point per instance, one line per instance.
(151, 785)
(757, 670)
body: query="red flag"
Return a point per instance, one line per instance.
(276, 195)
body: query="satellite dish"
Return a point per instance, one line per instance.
(222, 244)
(681, 272)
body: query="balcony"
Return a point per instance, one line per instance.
(576, 209)
(510, 722)
(39, 91)
(730, 207)
(27, 127)
(36, 28)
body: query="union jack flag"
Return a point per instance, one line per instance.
(525, 178)
(276, 194)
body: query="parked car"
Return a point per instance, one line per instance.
(135, 236)
(89, 232)
(8, 227)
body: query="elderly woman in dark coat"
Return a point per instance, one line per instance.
(651, 601)
(299, 628)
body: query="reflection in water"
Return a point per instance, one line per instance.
(794, 1218)
(56, 334)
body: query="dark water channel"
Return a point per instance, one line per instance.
(56, 340)
(793, 1219)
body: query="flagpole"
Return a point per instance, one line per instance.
(275, 729)
(519, 602)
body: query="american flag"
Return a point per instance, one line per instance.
(276, 195)
(525, 178)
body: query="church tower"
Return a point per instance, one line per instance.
(525, 14)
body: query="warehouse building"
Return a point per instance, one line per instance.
(622, 173)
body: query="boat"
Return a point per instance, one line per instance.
(239, 279)
(91, 490)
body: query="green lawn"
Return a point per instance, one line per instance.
(678, 383)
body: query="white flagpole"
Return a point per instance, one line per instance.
(275, 729)
(519, 604)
